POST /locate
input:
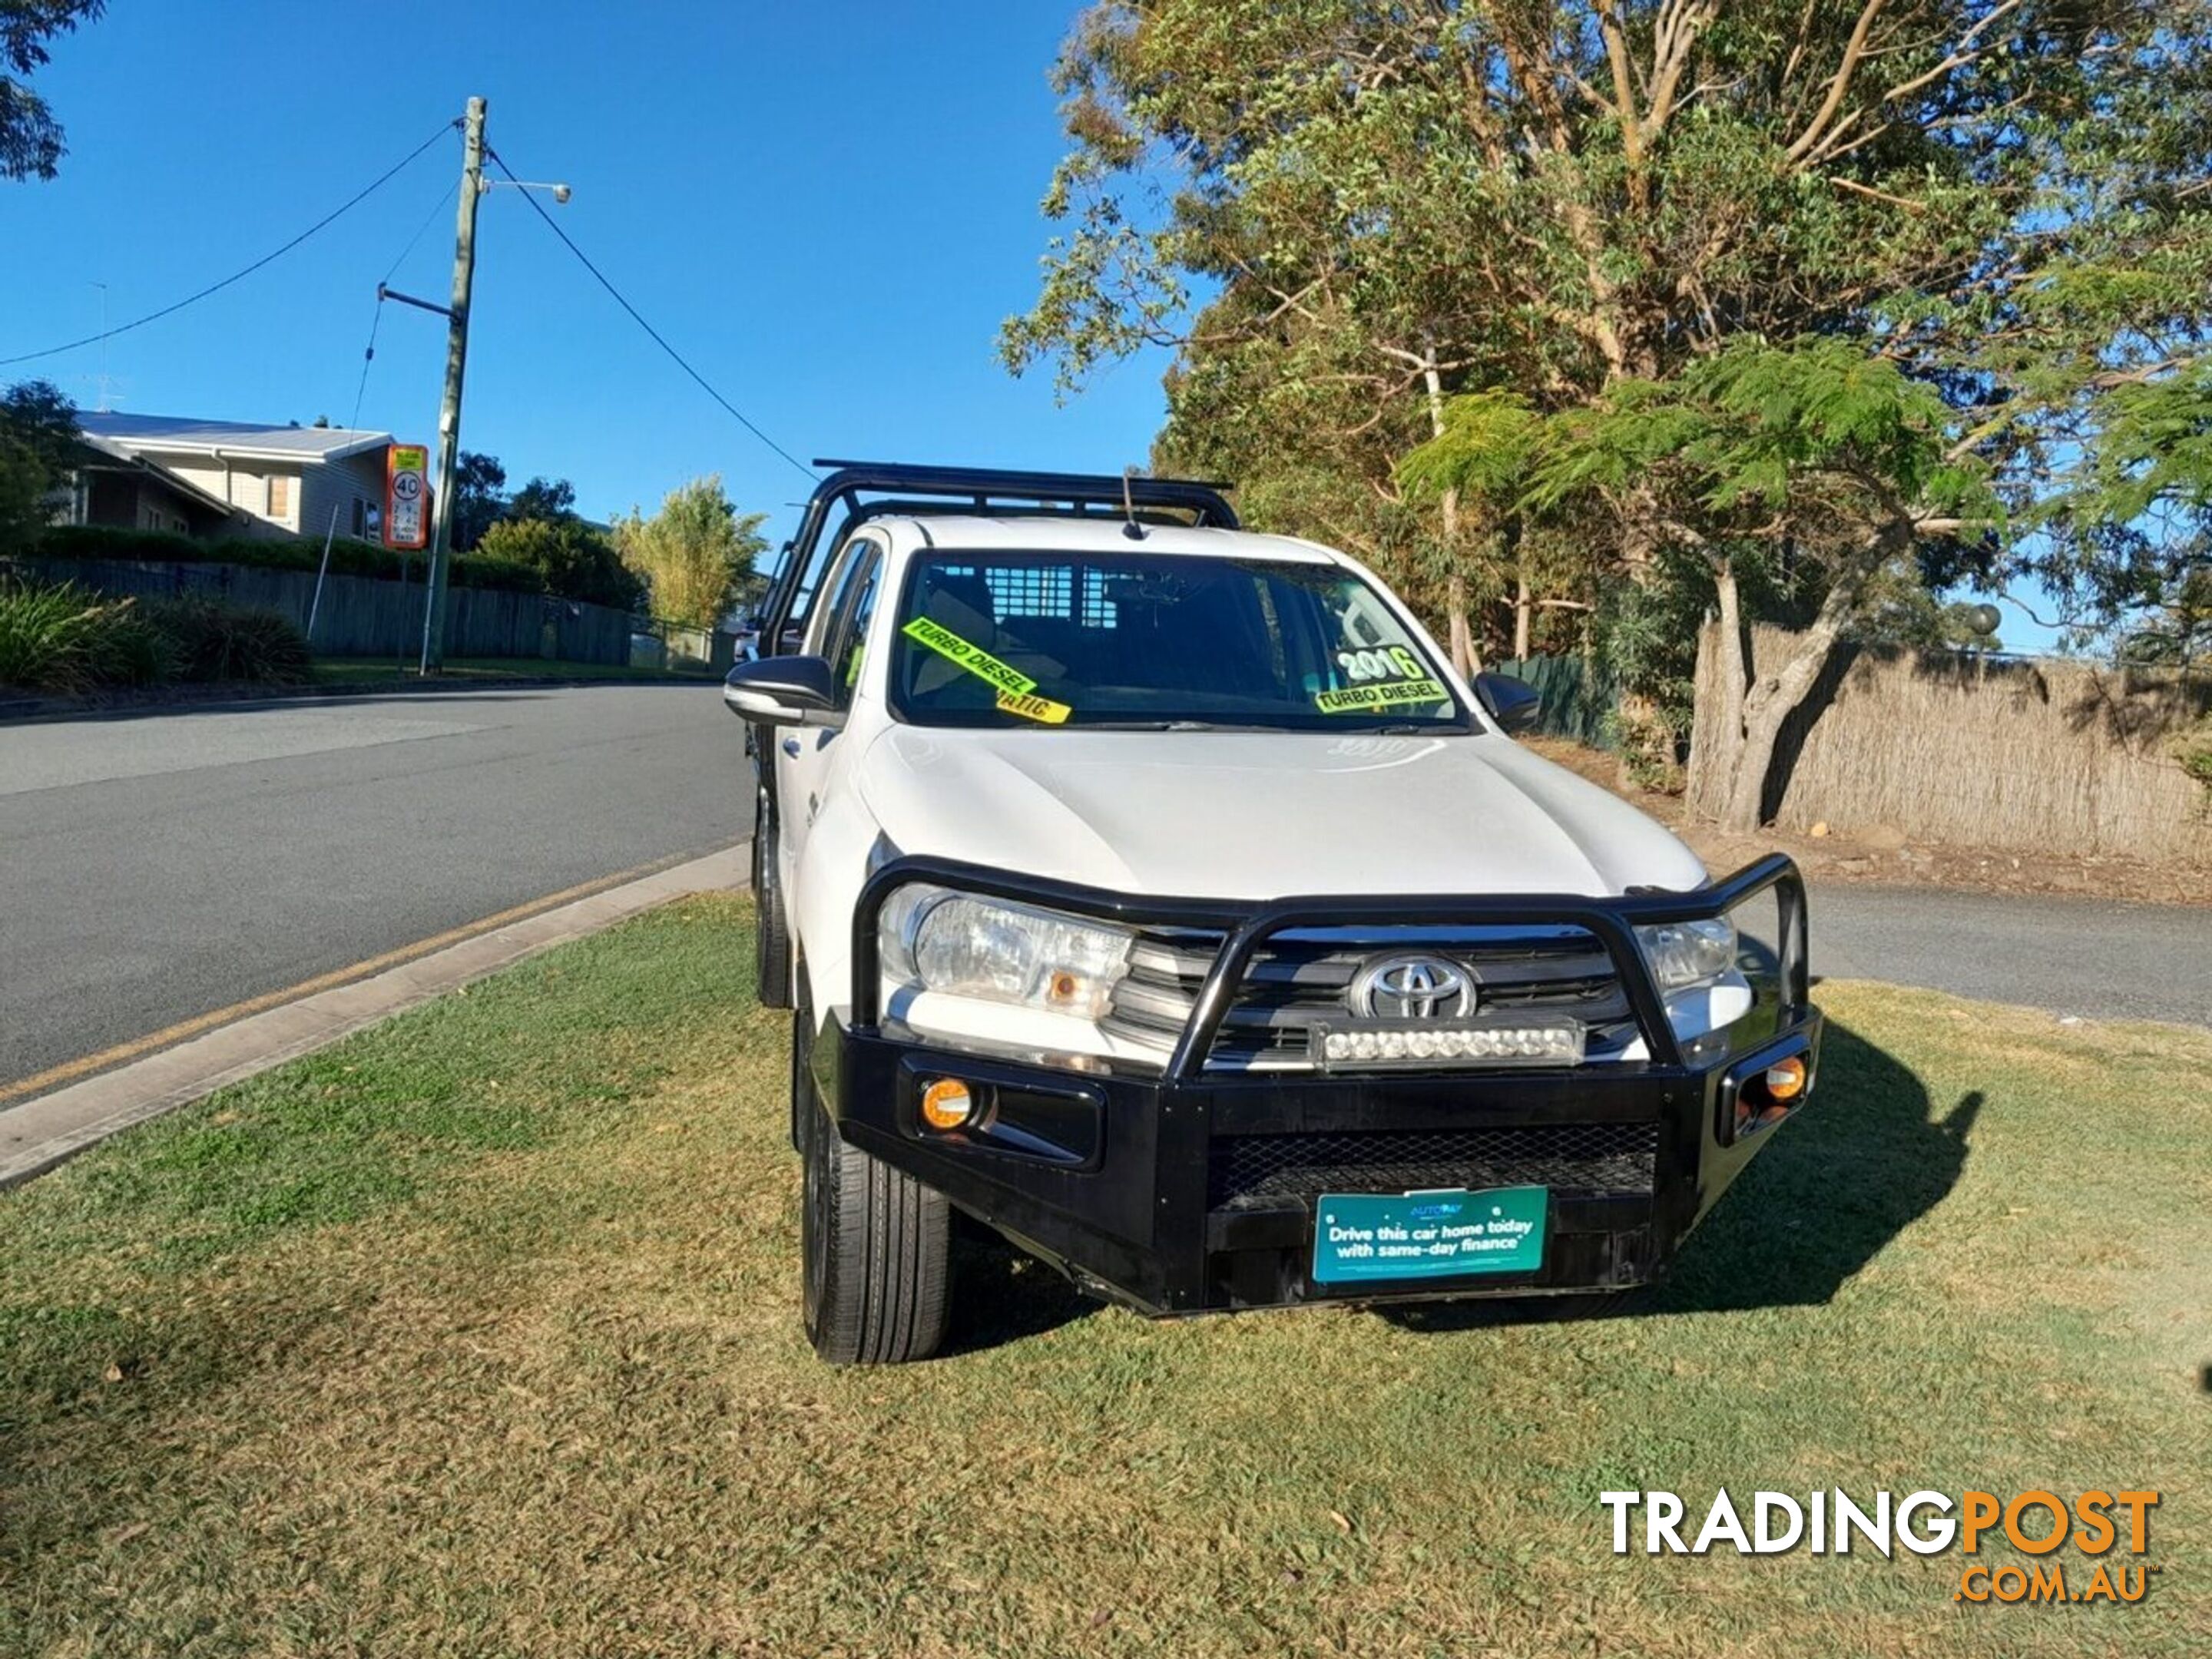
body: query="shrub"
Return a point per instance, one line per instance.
(574, 561)
(2193, 748)
(58, 637)
(130, 648)
(229, 642)
(47, 634)
(349, 557)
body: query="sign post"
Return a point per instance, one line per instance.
(407, 497)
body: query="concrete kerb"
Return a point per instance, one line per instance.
(48, 1129)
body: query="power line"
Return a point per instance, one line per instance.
(376, 315)
(215, 287)
(676, 356)
(438, 207)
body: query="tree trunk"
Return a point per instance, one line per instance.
(1770, 699)
(1524, 613)
(1733, 677)
(1466, 661)
(1647, 742)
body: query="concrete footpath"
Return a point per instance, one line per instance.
(40, 1133)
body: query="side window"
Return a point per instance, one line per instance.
(837, 587)
(849, 644)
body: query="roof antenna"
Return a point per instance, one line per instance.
(1132, 529)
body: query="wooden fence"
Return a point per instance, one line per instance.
(2025, 755)
(360, 617)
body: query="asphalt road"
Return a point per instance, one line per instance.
(2099, 958)
(154, 868)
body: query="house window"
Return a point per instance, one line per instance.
(280, 496)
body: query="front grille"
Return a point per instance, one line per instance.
(1301, 976)
(1152, 1006)
(1246, 1171)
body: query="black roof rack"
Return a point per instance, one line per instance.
(894, 486)
(986, 484)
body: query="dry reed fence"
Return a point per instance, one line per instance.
(2040, 756)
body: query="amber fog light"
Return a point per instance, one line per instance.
(946, 1103)
(1785, 1080)
(1768, 1095)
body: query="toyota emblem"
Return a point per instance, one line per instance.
(1412, 988)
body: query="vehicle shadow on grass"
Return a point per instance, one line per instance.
(1001, 1296)
(1869, 1156)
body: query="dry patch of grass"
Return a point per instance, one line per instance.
(477, 1334)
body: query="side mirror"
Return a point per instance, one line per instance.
(1514, 704)
(783, 691)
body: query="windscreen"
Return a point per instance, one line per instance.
(1155, 642)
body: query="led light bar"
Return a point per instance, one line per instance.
(1411, 1043)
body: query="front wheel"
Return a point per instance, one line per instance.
(877, 1244)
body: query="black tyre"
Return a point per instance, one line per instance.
(877, 1275)
(771, 933)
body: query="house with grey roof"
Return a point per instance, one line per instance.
(227, 477)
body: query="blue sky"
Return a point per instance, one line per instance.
(827, 208)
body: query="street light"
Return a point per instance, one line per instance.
(561, 192)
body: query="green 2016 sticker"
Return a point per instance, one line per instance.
(1392, 662)
(1385, 693)
(973, 658)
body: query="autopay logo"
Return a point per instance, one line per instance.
(2082, 1548)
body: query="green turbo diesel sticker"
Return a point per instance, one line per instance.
(1383, 694)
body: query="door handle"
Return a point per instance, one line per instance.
(791, 747)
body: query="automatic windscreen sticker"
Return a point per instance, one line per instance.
(973, 658)
(1385, 693)
(1034, 708)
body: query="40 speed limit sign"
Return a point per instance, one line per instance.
(407, 497)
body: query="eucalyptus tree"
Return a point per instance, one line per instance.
(1345, 213)
(30, 137)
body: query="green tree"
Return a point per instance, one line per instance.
(479, 498)
(1343, 216)
(30, 138)
(551, 499)
(37, 438)
(696, 554)
(2126, 539)
(577, 561)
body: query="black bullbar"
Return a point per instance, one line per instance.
(1183, 1188)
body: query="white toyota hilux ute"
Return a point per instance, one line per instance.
(1155, 893)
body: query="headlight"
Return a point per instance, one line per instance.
(963, 946)
(1683, 953)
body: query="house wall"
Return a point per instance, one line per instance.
(244, 485)
(132, 500)
(341, 485)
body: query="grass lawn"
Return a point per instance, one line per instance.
(477, 1334)
(348, 671)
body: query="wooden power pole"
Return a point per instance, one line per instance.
(449, 409)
